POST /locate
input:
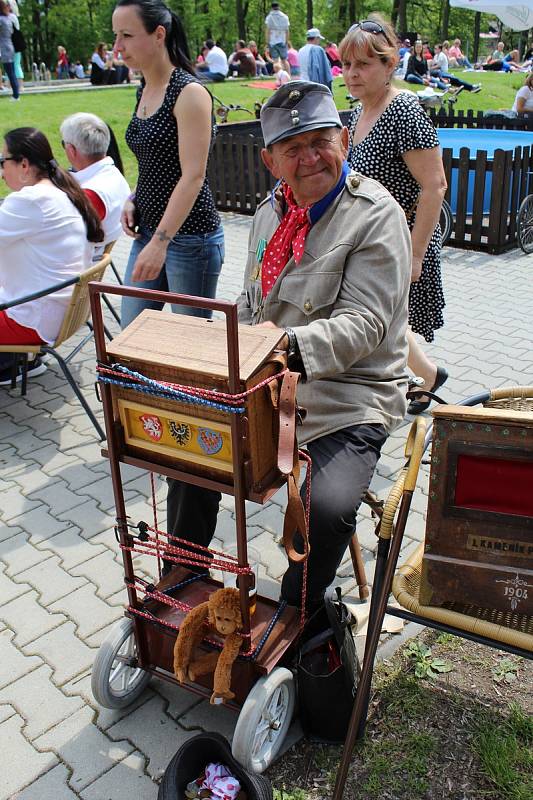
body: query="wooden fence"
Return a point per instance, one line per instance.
(511, 175)
(477, 119)
(240, 181)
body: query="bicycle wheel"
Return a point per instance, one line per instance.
(446, 221)
(264, 720)
(116, 680)
(524, 224)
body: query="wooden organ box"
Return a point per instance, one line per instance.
(479, 530)
(192, 351)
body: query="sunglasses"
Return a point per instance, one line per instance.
(368, 26)
(6, 158)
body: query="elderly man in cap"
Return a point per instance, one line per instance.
(329, 262)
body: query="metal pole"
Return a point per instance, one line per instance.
(372, 642)
(237, 433)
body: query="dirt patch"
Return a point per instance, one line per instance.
(464, 735)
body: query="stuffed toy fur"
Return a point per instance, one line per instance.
(220, 614)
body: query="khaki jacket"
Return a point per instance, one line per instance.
(347, 303)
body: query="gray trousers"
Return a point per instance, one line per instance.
(342, 467)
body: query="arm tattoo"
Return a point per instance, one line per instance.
(163, 236)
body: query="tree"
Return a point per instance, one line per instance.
(445, 20)
(241, 18)
(477, 23)
(399, 15)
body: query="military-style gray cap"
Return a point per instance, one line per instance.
(298, 107)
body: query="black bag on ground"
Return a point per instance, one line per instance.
(499, 116)
(19, 43)
(327, 672)
(193, 757)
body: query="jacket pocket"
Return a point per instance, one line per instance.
(310, 292)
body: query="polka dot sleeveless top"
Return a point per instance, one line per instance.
(404, 126)
(154, 142)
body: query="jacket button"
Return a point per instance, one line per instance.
(308, 306)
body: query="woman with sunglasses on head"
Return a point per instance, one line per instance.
(179, 242)
(47, 231)
(393, 141)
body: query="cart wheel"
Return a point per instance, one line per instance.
(524, 224)
(115, 683)
(264, 720)
(446, 221)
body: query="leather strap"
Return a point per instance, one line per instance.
(279, 359)
(287, 422)
(295, 522)
(289, 465)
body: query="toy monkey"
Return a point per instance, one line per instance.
(221, 614)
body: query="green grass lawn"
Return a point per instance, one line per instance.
(46, 111)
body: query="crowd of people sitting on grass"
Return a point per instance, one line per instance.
(317, 60)
(418, 62)
(421, 65)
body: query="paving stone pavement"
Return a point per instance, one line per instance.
(61, 580)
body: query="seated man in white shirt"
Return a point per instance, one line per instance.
(215, 67)
(85, 138)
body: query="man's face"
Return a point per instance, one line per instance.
(310, 163)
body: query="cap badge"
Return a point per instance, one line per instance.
(295, 94)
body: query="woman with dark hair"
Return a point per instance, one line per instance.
(418, 70)
(179, 242)
(47, 225)
(114, 151)
(99, 65)
(8, 23)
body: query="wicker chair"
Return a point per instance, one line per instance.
(508, 631)
(76, 317)
(107, 251)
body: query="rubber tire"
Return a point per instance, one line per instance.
(446, 221)
(101, 688)
(524, 224)
(251, 714)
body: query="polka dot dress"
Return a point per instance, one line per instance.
(404, 126)
(154, 141)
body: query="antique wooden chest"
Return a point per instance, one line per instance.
(479, 529)
(196, 436)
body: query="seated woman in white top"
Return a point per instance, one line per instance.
(524, 97)
(47, 227)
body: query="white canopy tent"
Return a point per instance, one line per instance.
(517, 16)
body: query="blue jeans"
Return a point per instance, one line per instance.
(438, 73)
(412, 78)
(192, 266)
(9, 67)
(216, 77)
